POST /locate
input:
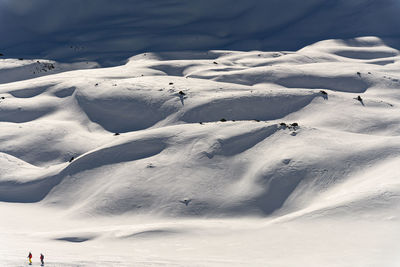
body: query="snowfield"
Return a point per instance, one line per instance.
(218, 158)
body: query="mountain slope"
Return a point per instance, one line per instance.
(146, 137)
(110, 31)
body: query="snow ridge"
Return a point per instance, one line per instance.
(238, 121)
(240, 155)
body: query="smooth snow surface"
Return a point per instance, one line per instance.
(217, 158)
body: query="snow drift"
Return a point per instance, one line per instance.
(226, 133)
(233, 133)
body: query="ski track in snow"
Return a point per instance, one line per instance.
(264, 141)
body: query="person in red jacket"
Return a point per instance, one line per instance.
(42, 259)
(30, 258)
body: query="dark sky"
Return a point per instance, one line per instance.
(109, 30)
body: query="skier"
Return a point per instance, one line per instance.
(30, 258)
(42, 259)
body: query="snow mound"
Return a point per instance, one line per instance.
(23, 69)
(218, 133)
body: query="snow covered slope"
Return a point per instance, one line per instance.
(305, 140)
(109, 31)
(151, 133)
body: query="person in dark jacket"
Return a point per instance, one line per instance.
(42, 258)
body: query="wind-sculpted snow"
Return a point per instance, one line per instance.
(203, 134)
(118, 111)
(16, 70)
(289, 139)
(248, 107)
